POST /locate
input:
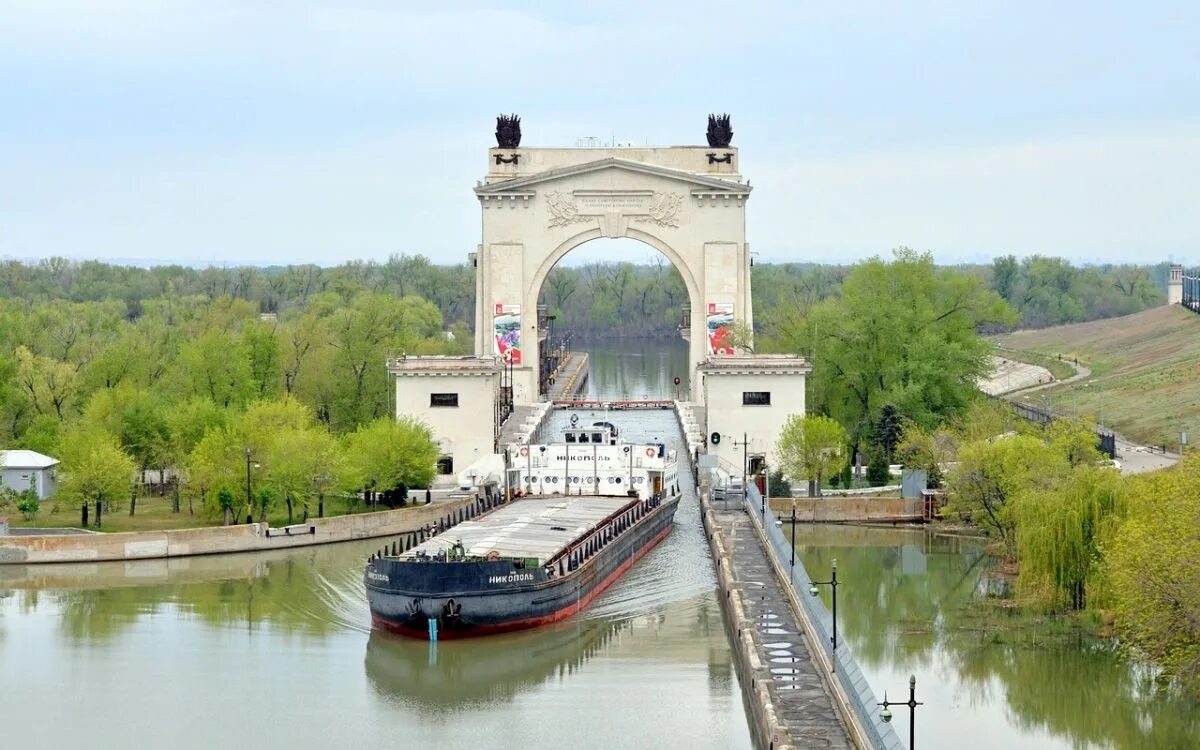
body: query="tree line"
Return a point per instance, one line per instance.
(622, 299)
(192, 383)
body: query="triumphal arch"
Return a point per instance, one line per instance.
(538, 204)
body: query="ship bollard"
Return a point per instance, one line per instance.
(395, 549)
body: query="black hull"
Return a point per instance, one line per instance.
(480, 598)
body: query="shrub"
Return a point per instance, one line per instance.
(29, 505)
(877, 470)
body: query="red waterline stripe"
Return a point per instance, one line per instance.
(530, 622)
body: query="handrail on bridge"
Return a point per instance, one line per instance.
(622, 404)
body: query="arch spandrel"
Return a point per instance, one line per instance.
(531, 221)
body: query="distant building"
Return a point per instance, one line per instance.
(1175, 285)
(24, 469)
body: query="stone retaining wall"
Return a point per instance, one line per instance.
(849, 509)
(765, 726)
(143, 545)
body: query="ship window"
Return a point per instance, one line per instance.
(443, 399)
(597, 437)
(570, 437)
(756, 398)
(445, 465)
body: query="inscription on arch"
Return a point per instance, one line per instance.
(643, 206)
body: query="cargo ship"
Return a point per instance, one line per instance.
(586, 510)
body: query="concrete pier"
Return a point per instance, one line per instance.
(570, 380)
(788, 696)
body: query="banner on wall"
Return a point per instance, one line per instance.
(506, 323)
(720, 328)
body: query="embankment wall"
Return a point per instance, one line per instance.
(849, 509)
(254, 537)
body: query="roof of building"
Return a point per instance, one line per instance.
(23, 459)
(763, 364)
(443, 365)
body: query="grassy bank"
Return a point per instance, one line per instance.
(1059, 368)
(155, 513)
(1145, 371)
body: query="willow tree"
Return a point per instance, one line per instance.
(1059, 530)
(812, 447)
(992, 473)
(1152, 566)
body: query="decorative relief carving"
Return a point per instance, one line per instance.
(563, 209)
(664, 210)
(648, 208)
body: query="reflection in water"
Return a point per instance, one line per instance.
(636, 368)
(274, 650)
(910, 604)
(452, 674)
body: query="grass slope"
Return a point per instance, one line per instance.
(1145, 380)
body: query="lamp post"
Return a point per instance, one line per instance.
(249, 495)
(832, 583)
(912, 703)
(794, 533)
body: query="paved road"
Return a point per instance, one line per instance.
(1133, 457)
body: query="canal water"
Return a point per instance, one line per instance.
(912, 602)
(276, 650)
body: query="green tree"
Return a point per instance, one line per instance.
(992, 473)
(387, 454)
(903, 333)
(94, 468)
(812, 447)
(1152, 567)
(1059, 532)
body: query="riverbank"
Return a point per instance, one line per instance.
(253, 537)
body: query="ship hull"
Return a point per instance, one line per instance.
(403, 601)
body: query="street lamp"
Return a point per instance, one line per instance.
(832, 583)
(794, 533)
(912, 703)
(249, 494)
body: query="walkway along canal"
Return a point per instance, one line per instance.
(782, 640)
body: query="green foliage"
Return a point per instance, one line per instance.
(780, 486)
(991, 473)
(386, 454)
(878, 473)
(812, 447)
(28, 504)
(94, 468)
(1152, 568)
(904, 334)
(1059, 531)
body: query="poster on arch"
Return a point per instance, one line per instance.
(720, 328)
(506, 324)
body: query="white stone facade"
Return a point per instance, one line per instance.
(751, 396)
(457, 398)
(538, 204)
(1175, 285)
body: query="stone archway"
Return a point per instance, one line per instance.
(687, 202)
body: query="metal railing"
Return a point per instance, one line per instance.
(1191, 292)
(862, 699)
(1107, 440)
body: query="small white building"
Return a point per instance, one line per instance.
(457, 398)
(749, 398)
(24, 469)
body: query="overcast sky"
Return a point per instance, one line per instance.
(233, 131)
